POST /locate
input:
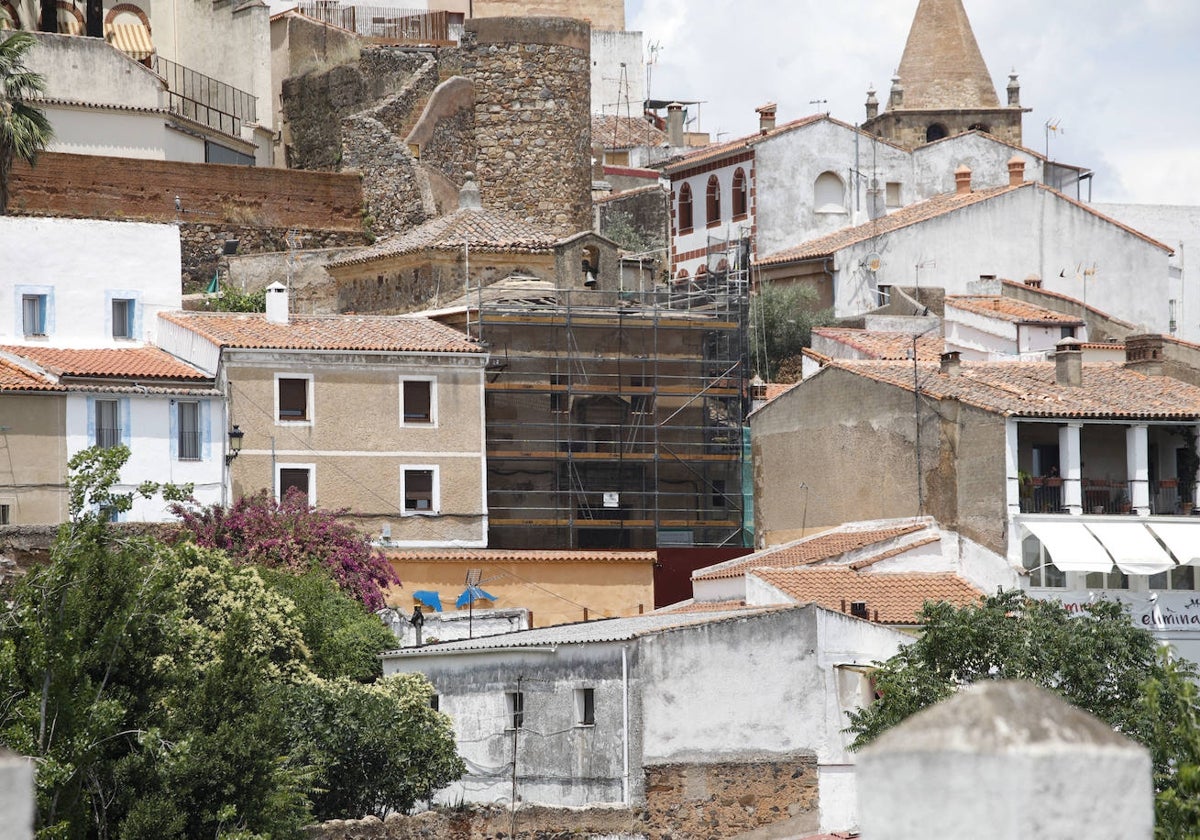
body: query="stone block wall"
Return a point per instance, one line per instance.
(532, 117)
(125, 188)
(202, 246)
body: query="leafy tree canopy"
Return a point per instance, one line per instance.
(782, 318)
(1098, 660)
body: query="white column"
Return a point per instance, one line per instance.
(1012, 489)
(1072, 466)
(1137, 468)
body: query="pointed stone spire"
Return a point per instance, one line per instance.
(942, 66)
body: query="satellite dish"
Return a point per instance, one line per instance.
(872, 262)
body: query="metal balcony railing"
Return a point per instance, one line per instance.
(204, 100)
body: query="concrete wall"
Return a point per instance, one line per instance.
(79, 264)
(356, 444)
(617, 90)
(120, 133)
(93, 71)
(33, 458)
(532, 117)
(987, 158)
(149, 428)
(107, 187)
(16, 796)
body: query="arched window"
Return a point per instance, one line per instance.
(827, 193)
(936, 132)
(712, 201)
(8, 16)
(739, 194)
(685, 209)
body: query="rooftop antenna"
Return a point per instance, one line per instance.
(819, 102)
(653, 49)
(1053, 124)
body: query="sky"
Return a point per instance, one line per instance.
(1119, 77)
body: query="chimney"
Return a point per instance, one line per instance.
(962, 179)
(277, 303)
(951, 363)
(675, 125)
(468, 195)
(1068, 363)
(1014, 90)
(1145, 354)
(872, 104)
(858, 609)
(1016, 171)
(1033, 281)
(766, 117)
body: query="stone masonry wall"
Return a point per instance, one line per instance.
(202, 245)
(124, 188)
(532, 117)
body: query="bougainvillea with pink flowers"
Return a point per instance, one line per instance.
(294, 536)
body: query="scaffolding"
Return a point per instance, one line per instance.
(615, 418)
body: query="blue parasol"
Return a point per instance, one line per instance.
(472, 594)
(429, 599)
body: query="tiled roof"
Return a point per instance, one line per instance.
(867, 562)
(705, 606)
(879, 344)
(481, 230)
(1109, 390)
(123, 363)
(1010, 309)
(808, 550)
(717, 150)
(501, 555)
(616, 132)
(1066, 298)
(13, 377)
(922, 211)
(649, 188)
(325, 332)
(602, 630)
(774, 389)
(896, 597)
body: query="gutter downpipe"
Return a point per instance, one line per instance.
(625, 725)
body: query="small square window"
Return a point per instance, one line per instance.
(893, 194)
(5, 514)
(516, 709)
(33, 314)
(585, 706)
(189, 430)
(417, 400)
(293, 398)
(418, 491)
(108, 423)
(295, 478)
(122, 318)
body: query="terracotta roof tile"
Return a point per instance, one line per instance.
(1010, 309)
(13, 377)
(706, 606)
(1046, 293)
(1109, 390)
(897, 598)
(774, 389)
(808, 550)
(501, 555)
(115, 362)
(617, 132)
(880, 344)
(481, 230)
(649, 188)
(867, 562)
(325, 332)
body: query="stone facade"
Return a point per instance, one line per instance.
(532, 117)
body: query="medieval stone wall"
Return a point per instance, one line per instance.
(532, 117)
(202, 246)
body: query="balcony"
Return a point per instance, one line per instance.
(1044, 494)
(203, 99)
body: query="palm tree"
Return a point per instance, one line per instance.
(24, 130)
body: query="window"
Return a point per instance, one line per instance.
(585, 706)
(122, 318)
(827, 194)
(1107, 580)
(33, 314)
(740, 202)
(301, 477)
(1067, 332)
(419, 491)
(892, 194)
(417, 402)
(293, 398)
(685, 209)
(189, 430)
(516, 709)
(1181, 577)
(936, 132)
(435, 702)
(5, 514)
(1037, 561)
(108, 423)
(712, 201)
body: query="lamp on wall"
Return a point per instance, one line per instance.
(235, 444)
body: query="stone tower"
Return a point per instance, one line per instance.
(532, 81)
(943, 87)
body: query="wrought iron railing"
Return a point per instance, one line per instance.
(413, 26)
(205, 100)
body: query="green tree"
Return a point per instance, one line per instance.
(1098, 660)
(24, 129)
(782, 318)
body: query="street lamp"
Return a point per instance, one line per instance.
(235, 444)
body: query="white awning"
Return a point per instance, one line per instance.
(1133, 547)
(1183, 538)
(1071, 546)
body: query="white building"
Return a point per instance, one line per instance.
(595, 710)
(86, 283)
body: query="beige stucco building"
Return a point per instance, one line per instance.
(382, 416)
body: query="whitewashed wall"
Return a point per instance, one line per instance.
(80, 264)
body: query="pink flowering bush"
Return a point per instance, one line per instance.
(292, 536)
